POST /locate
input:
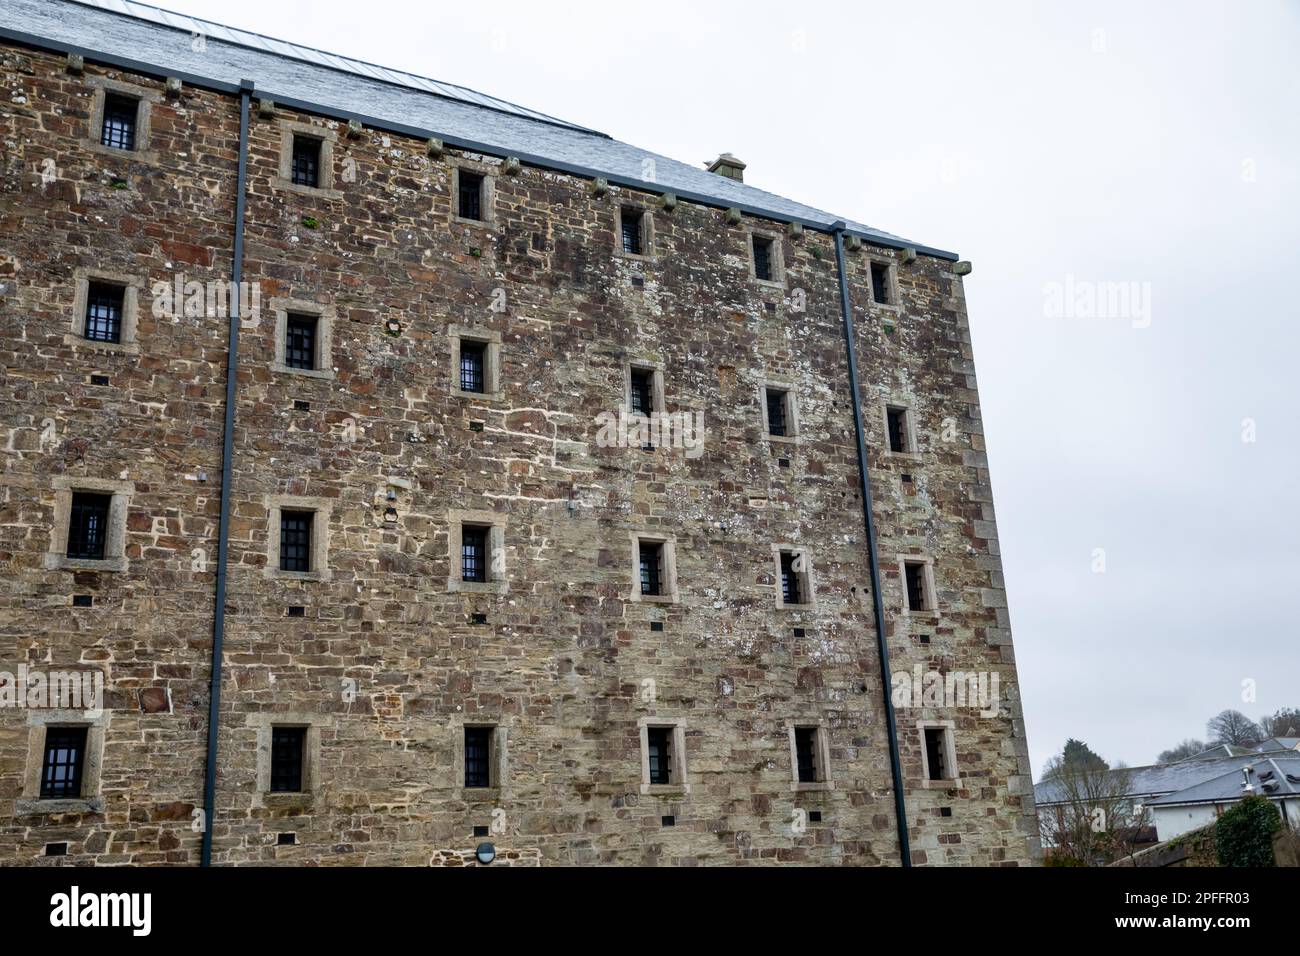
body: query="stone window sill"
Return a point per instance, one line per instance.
(320, 373)
(121, 348)
(815, 786)
(950, 784)
(288, 801)
(665, 789)
(477, 587)
(138, 155)
(479, 396)
(648, 258)
(480, 794)
(59, 562)
(36, 806)
(277, 574)
(312, 192)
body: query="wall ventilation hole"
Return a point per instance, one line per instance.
(656, 625)
(56, 849)
(668, 821)
(82, 600)
(480, 831)
(297, 610)
(286, 839)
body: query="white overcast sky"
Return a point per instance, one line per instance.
(1152, 143)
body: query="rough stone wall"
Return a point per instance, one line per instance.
(387, 662)
(157, 423)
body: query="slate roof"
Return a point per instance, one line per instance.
(1280, 743)
(1227, 787)
(1221, 750)
(1162, 779)
(134, 35)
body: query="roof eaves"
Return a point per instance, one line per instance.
(251, 40)
(154, 69)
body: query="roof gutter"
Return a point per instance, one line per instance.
(227, 462)
(886, 684)
(402, 129)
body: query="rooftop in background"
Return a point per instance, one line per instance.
(1279, 743)
(1279, 772)
(1166, 778)
(1219, 750)
(134, 35)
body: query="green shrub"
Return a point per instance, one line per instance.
(1244, 834)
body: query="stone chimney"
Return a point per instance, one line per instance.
(729, 166)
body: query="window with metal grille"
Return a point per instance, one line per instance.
(791, 592)
(478, 756)
(762, 257)
(915, 573)
(300, 340)
(472, 365)
(470, 200)
(305, 168)
(632, 221)
(104, 305)
(652, 560)
(88, 525)
(659, 741)
(936, 753)
(121, 114)
(897, 418)
(288, 745)
(65, 758)
(880, 282)
(776, 417)
(473, 552)
(295, 540)
(643, 401)
(805, 747)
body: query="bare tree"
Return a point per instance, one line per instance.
(1235, 728)
(1094, 819)
(1188, 748)
(1283, 723)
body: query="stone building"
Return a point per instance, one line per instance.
(532, 514)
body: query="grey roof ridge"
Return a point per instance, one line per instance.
(809, 216)
(526, 111)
